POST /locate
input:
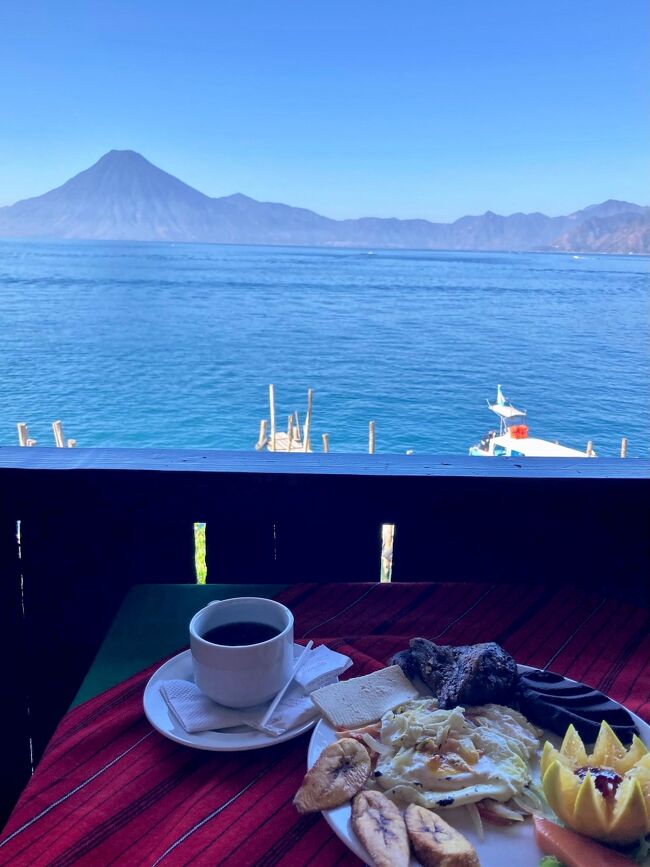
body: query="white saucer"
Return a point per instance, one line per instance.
(229, 740)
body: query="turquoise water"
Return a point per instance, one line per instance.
(164, 345)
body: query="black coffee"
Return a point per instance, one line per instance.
(238, 634)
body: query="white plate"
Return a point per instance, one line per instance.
(229, 740)
(514, 844)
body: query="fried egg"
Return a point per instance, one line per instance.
(448, 758)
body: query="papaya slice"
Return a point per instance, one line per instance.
(573, 849)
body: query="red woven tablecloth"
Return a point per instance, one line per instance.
(111, 790)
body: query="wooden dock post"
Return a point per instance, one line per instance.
(624, 447)
(326, 443)
(23, 434)
(57, 429)
(371, 438)
(272, 408)
(590, 448)
(310, 395)
(262, 438)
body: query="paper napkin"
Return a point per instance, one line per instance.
(197, 713)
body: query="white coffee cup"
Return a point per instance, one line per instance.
(248, 674)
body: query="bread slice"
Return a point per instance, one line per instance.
(362, 700)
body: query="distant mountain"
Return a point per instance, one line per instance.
(626, 232)
(124, 197)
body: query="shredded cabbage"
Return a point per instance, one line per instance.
(475, 816)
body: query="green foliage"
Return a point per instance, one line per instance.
(199, 553)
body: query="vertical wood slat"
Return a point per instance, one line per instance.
(14, 748)
(327, 549)
(77, 566)
(320, 549)
(584, 532)
(240, 551)
(283, 529)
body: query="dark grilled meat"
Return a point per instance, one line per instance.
(433, 662)
(470, 675)
(483, 673)
(408, 663)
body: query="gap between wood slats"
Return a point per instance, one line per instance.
(15, 750)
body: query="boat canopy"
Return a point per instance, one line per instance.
(531, 447)
(506, 411)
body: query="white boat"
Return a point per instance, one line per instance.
(512, 439)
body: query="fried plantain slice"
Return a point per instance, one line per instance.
(435, 842)
(379, 825)
(337, 775)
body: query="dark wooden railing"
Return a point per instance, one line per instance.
(94, 522)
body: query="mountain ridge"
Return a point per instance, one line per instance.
(125, 197)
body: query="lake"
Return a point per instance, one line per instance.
(174, 345)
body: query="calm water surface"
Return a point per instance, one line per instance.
(164, 345)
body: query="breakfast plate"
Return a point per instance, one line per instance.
(512, 844)
(228, 740)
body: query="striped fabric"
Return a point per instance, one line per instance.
(111, 790)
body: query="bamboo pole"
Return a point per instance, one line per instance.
(272, 407)
(310, 396)
(57, 429)
(624, 447)
(326, 443)
(23, 434)
(371, 438)
(262, 438)
(590, 448)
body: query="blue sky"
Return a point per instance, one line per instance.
(427, 108)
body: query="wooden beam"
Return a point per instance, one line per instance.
(154, 462)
